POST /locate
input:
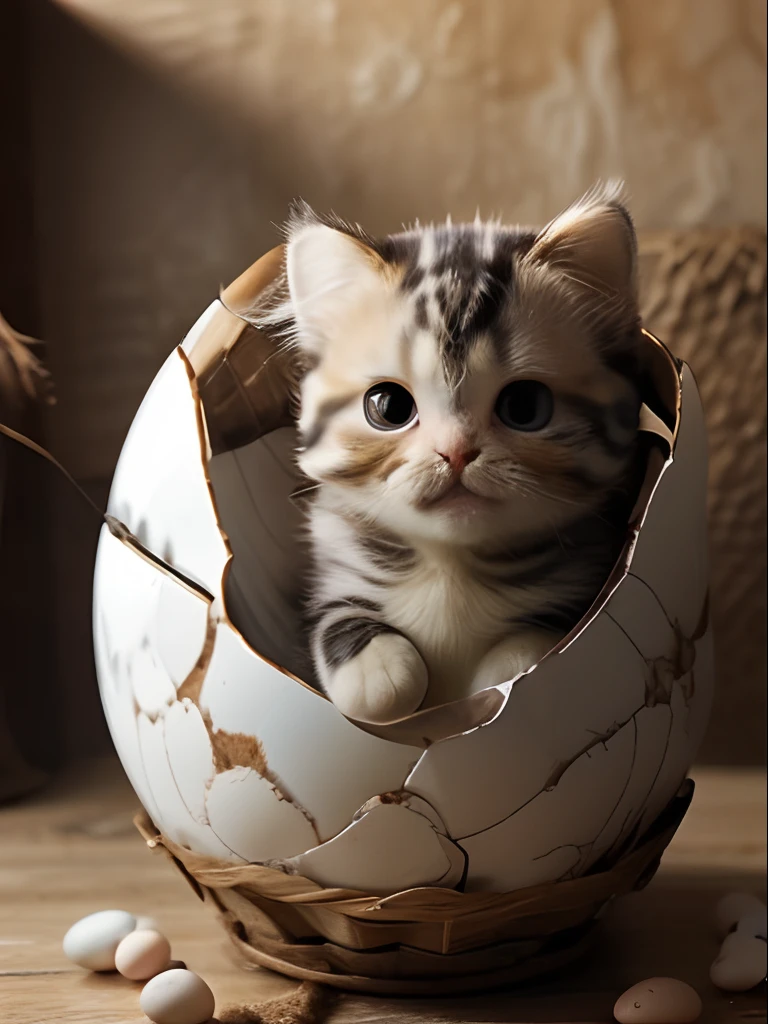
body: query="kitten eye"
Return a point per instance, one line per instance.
(525, 405)
(389, 406)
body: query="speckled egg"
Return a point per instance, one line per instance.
(235, 753)
(658, 1001)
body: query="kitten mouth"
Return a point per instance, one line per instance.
(457, 497)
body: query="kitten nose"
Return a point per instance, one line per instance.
(458, 458)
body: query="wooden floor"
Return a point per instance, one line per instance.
(72, 850)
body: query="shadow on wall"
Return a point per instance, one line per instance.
(143, 207)
(164, 154)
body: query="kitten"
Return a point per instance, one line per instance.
(469, 414)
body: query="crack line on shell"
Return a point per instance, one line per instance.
(367, 807)
(263, 770)
(189, 812)
(623, 793)
(569, 873)
(562, 768)
(679, 672)
(121, 532)
(557, 774)
(655, 597)
(113, 659)
(600, 738)
(118, 529)
(205, 656)
(372, 802)
(591, 843)
(626, 634)
(644, 805)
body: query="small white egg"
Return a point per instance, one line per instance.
(93, 940)
(142, 954)
(731, 908)
(741, 964)
(658, 1001)
(754, 923)
(177, 997)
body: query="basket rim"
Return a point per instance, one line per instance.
(421, 941)
(632, 870)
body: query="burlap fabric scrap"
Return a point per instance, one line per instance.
(421, 941)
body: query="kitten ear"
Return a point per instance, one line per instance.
(593, 242)
(326, 267)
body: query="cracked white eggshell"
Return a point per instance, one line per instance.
(670, 554)
(326, 764)
(254, 818)
(577, 761)
(182, 827)
(469, 780)
(190, 756)
(158, 490)
(526, 846)
(388, 849)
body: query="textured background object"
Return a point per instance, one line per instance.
(704, 292)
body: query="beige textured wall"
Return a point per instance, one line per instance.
(182, 128)
(394, 106)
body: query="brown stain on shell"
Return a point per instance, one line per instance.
(236, 750)
(678, 666)
(193, 684)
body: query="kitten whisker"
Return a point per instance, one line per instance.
(305, 490)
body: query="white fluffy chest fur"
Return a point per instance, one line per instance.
(432, 595)
(452, 617)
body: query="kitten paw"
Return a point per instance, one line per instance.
(386, 681)
(512, 656)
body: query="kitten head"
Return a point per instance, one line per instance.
(468, 383)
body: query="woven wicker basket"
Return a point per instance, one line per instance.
(418, 942)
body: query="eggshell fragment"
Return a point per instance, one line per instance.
(741, 964)
(369, 854)
(159, 491)
(177, 997)
(731, 908)
(658, 1001)
(92, 941)
(142, 954)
